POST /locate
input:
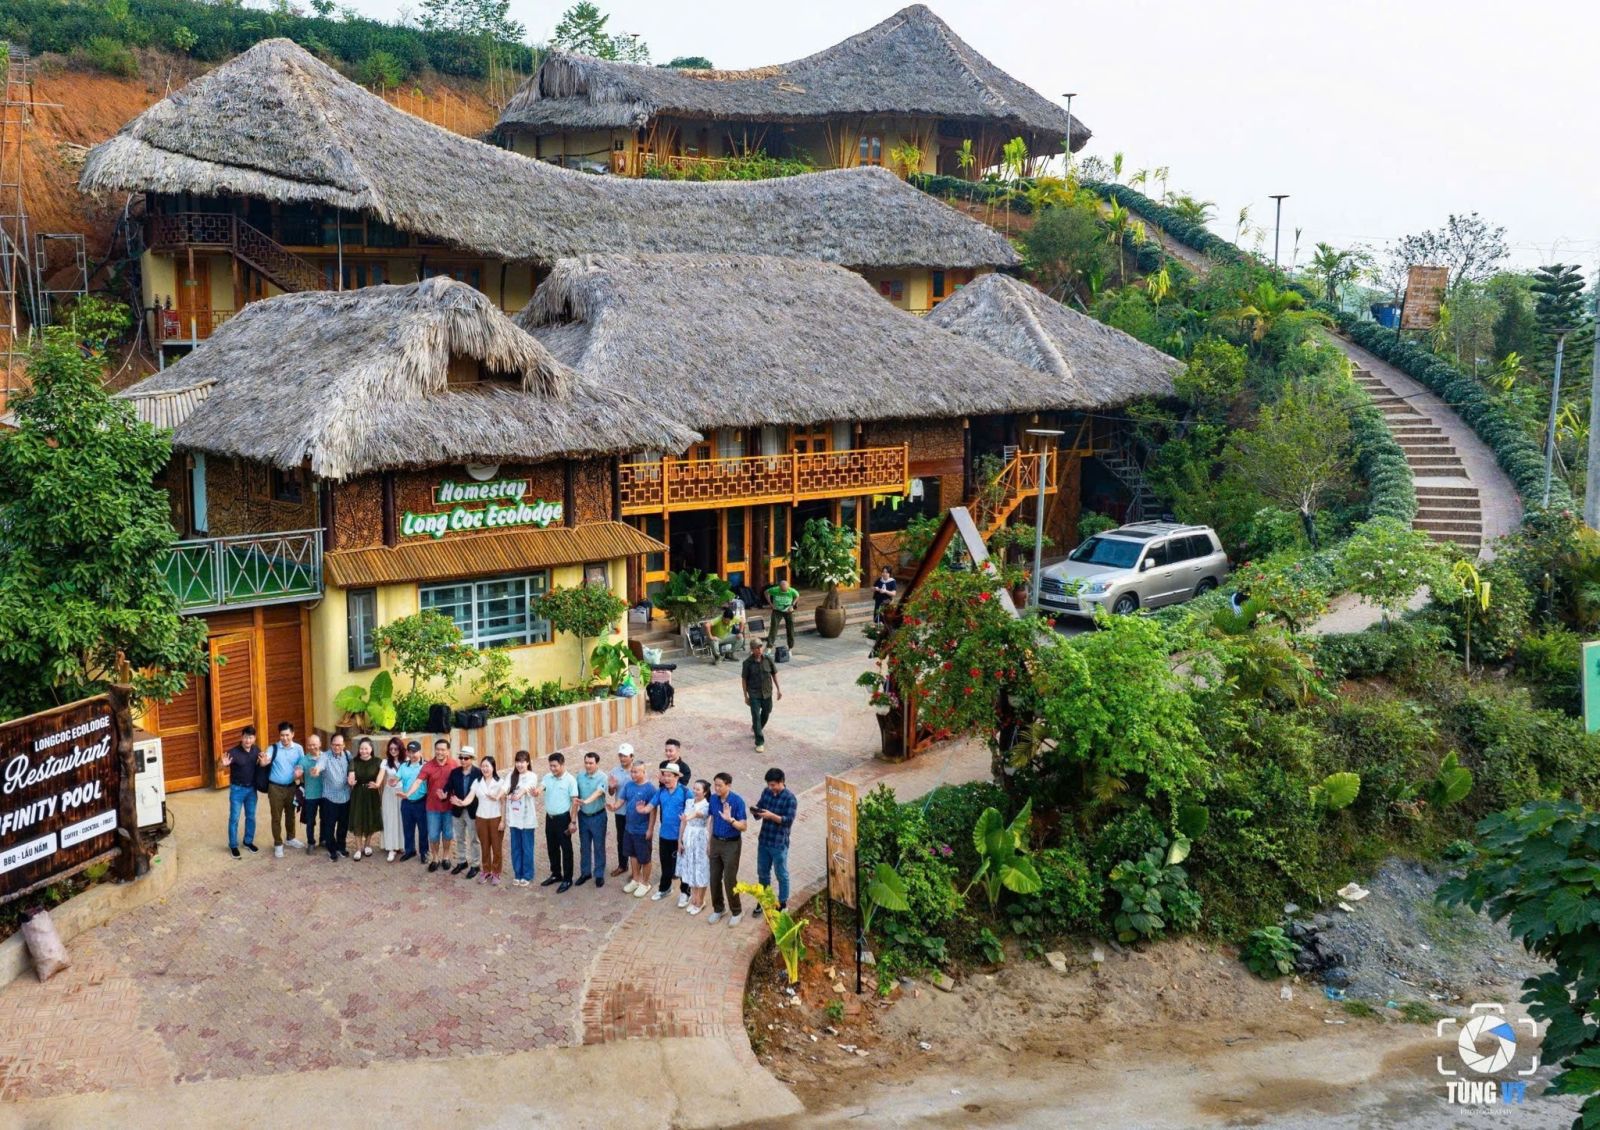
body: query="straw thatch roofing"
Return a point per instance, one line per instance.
(277, 124)
(356, 381)
(1103, 366)
(911, 64)
(743, 341)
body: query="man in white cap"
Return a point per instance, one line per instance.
(620, 775)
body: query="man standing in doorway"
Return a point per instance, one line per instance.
(560, 790)
(728, 820)
(436, 776)
(310, 789)
(243, 760)
(592, 822)
(620, 775)
(759, 676)
(775, 810)
(782, 597)
(286, 754)
(465, 808)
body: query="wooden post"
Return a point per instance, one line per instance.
(391, 532)
(569, 495)
(666, 483)
(132, 860)
(616, 488)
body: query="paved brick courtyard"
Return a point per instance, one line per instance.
(269, 966)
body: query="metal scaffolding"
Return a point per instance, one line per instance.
(18, 293)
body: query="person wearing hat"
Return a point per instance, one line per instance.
(759, 675)
(464, 813)
(619, 776)
(413, 803)
(670, 802)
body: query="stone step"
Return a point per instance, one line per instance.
(1400, 411)
(1433, 463)
(1473, 541)
(1425, 447)
(1432, 490)
(1444, 525)
(1449, 514)
(1417, 431)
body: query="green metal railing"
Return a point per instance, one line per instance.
(208, 574)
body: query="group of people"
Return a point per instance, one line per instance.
(454, 811)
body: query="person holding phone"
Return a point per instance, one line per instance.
(776, 810)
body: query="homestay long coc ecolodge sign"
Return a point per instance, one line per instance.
(504, 506)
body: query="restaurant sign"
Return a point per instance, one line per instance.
(505, 506)
(60, 793)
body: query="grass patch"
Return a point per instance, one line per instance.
(1360, 1008)
(1419, 1012)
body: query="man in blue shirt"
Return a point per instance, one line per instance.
(669, 803)
(592, 787)
(636, 801)
(728, 819)
(775, 810)
(560, 791)
(285, 764)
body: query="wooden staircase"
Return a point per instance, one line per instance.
(993, 504)
(1448, 508)
(212, 231)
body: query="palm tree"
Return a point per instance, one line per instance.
(1119, 223)
(1243, 225)
(1264, 308)
(1014, 163)
(1195, 211)
(1161, 175)
(966, 158)
(1116, 168)
(1139, 179)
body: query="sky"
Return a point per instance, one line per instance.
(1379, 118)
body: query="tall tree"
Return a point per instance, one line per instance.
(83, 597)
(476, 18)
(1558, 307)
(1297, 453)
(1469, 245)
(583, 31)
(1515, 329)
(689, 63)
(1336, 268)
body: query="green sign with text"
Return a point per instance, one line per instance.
(505, 508)
(1591, 686)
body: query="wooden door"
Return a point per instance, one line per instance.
(193, 300)
(284, 641)
(236, 698)
(810, 438)
(735, 541)
(181, 724)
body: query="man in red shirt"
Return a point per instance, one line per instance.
(436, 774)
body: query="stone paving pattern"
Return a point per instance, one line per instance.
(268, 966)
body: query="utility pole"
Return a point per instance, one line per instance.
(1555, 401)
(1591, 491)
(1277, 228)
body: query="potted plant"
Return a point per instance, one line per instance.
(828, 555)
(609, 663)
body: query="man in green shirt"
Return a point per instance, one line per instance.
(724, 635)
(782, 597)
(759, 675)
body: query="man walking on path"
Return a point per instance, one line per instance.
(243, 760)
(436, 777)
(782, 597)
(464, 807)
(669, 804)
(310, 789)
(286, 754)
(334, 768)
(636, 801)
(760, 678)
(592, 786)
(775, 810)
(560, 790)
(728, 820)
(620, 775)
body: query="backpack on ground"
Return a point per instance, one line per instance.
(660, 696)
(780, 654)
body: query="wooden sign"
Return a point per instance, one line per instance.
(841, 840)
(1425, 289)
(61, 794)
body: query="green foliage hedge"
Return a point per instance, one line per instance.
(1180, 228)
(975, 191)
(1382, 463)
(1518, 455)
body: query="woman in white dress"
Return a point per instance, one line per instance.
(694, 858)
(394, 756)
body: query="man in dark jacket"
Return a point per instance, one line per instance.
(243, 760)
(759, 675)
(465, 807)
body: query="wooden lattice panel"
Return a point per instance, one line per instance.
(695, 484)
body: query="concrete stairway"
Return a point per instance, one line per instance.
(1448, 507)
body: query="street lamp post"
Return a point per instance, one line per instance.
(1277, 227)
(1049, 435)
(1069, 96)
(1555, 402)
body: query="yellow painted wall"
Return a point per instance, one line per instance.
(330, 666)
(917, 292)
(592, 145)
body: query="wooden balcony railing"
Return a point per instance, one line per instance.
(237, 572)
(179, 326)
(182, 231)
(667, 484)
(1018, 481)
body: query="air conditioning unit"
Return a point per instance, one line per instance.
(149, 780)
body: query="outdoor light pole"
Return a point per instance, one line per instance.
(1591, 495)
(1555, 402)
(1069, 96)
(1049, 435)
(1277, 227)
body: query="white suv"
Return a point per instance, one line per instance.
(1144, 565)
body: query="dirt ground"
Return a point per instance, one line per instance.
(1175, 1035)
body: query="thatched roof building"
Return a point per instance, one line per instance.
(743, 341)
(277, 124)
(1103, 366)
(911, 64)
(385, 377)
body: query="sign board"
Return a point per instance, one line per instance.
(504, 505)
(1591, 686)
(1425, 288)
(841, 840)
(60, 793)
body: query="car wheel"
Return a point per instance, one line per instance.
(1127, 604)
(1205, 586)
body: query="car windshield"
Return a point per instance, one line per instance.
(1114, 553)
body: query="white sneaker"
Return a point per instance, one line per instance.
(295, 844)
(391, 857)
(656, 897)
(716, 916)
(683, 901)
(277, 851)
(735, 920)
(640, 891)
(695, 909)
(628, 887)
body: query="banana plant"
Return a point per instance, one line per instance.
(966, 158)
(1119, 223)
(884, 891)
(1158, 285)
(1003, 849)
(1116, 168)
(1474, 595)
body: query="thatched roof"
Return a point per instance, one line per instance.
(742, 341)
(356, 381)
(911, 64)
(1102, 366)
(275, 123)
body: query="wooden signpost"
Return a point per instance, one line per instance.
(66, 794)
(841, 800)
(1425, 289)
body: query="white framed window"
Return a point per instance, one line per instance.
(492, 612)
(361, 616)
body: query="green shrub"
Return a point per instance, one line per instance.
(1392, 743)
(106, 54)
(1152, 898)
(1069, 900)
(1126, 836)
(896, 834)
(952, 811)
(1497, 630)
(1268, 952)
(1516, 751)
(1403, 648)
(1550, 663)
(411, 712)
